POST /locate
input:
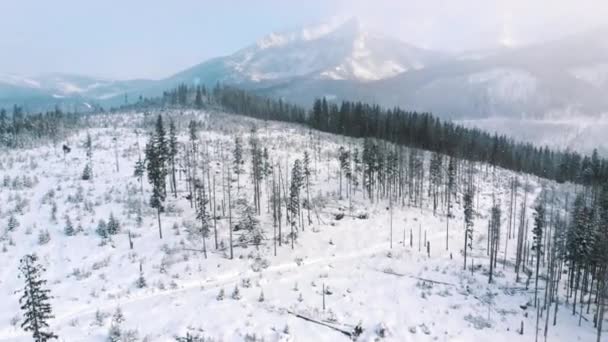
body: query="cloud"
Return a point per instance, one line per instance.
(476, 24)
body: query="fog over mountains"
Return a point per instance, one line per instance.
(559, 80)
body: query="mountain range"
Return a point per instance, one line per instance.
(565, 78)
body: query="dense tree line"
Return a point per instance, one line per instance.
(425, 131)
(413, 129)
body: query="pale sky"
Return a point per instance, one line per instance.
(156, 38)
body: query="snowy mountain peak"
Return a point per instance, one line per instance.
(338, 50)
(309, 33)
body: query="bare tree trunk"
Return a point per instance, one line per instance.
(391, 222)
(279, 205)
(447, 222)
(601, 307)
(230, 213)
(274, 213)
(214, 215)
(160, 230)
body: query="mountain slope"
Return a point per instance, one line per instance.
(344, 52)
(73, 92)
(565, 78)
(559, 78)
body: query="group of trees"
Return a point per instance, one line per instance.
(568, 240)
(583, 245)
(425, 131)
(20, 129)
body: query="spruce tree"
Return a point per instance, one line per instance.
(102, 229)
(113, 226)
(249, 222)
(294, 195)
(238, 161)
(12, 223)
(87, 172)
(343, 158)
(35, 300)
(88, 145)
(162, 149)
(494, 237)
(139, 171)
(202, 214)
(192, 131)
(156, 152)
(141, 280)
(307, 174)
(172, 154)
(198, 100)
(69, 227)
(468, 219)
(537, 231)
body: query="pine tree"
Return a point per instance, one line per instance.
(539, 225)
(173, 150)
(220, 295)
(162, 148)
(115, 333)
(53, 211)
(198, 100)
(69, 227)
(293, 206)
(343, 158)
(35, 300)
(113, 226)
(357, 167)
(494, 236)
(192, 131)
(12, 223)
(249, 222)
(238, 161)
(141, 281)
(236, 294)
(88, 145)
(156, 153)
(257, 166)
(118, 317)
(468, 219)
(202, 214)
(435, 175)
(102, 229)
(307, 174)
(139, 171)
(451, 176)
(87, 172)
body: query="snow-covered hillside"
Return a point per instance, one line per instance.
(369, 259)
(342, 50)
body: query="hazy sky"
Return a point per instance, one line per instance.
(155, 38)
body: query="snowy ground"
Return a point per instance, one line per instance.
(382, 288)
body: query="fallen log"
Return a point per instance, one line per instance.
(345, 332)
(391, 272)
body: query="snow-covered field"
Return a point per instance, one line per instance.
(396, 293)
